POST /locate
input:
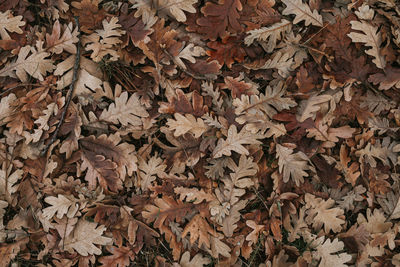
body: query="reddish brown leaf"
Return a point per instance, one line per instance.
(219, 19)
(226, 52)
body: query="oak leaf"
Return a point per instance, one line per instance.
(102, 42)
(121, 257)
(166, 209)
(270, 35)
(197, 261)
(188, 123)
(136, 30)
(370, 37)
(56, 44)
(270, 102)
(8, 179)
(127, 111)
(89, 75)
(193, 195)
(199, 230)
(10, 23)
(302, 12)
(62, 205)
(322, 212)
(330, 253)
(84, 238)
(291, 164)
(148, 169)
(309, 107)
(235, 142)
(35, 65)
(89, 14)
(386, 80)
(227, 51)
(351, 172)
(219, 17)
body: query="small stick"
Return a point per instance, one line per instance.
(69, 93)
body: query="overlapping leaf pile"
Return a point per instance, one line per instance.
(200, 133)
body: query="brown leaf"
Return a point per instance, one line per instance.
(227, 51)
(121, 256)
(136, 30)
(218, 18)
(386, 80)
(89, 14)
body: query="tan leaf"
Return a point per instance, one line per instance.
(61, 205)
(197, 261)
(148, 169)
(329, 253)
(35, 65)
(188, 123)
(5, 107)
(321, 212)
(302, 12)
(271, 34)
(235, 142)
(253, 236)
(371, 37)
(89, 75)
(199, 230)
(8, 180)
(56, 44)
(193, 195)
(309, 107)
(10, 23)
(102, 42)
(292, 165)
(126, 111)
(351, 172)
(85, 237)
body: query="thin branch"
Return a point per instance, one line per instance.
(69, 93)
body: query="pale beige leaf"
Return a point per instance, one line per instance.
(89, 75)
(102, 42)
(148, 169)
(193, 195)
(8, 179)
(188, 123)
(322, 212)
(173, 8)
(384, 152)
(62, 205)
(188, 53)
(302, 12)
(330, 253)
(309, 107)
(197, 261)
(85, 237)
(125, 111)
(252, 237)
(292, 165)
(235, 142)
(280, 61)
(271, 34)
(218, 247)
(269, 103)
(371, 37)
(199, 231)
(56, 44)
(10, 23)
(35, 65)
(5, 106)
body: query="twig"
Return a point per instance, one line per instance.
(69, 93)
